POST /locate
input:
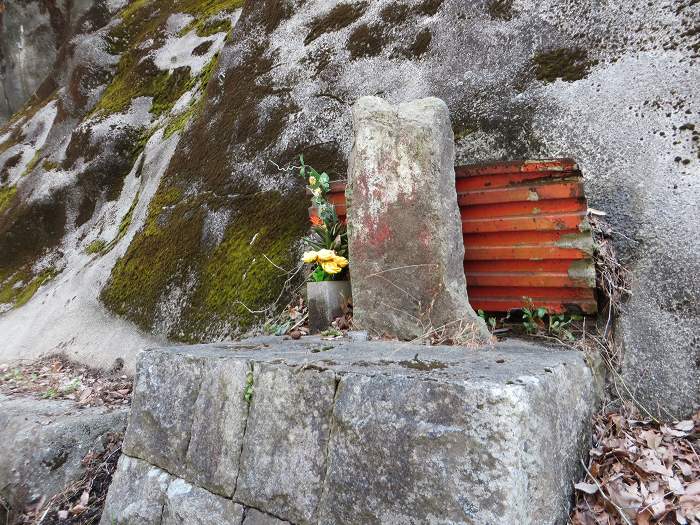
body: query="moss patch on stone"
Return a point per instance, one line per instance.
(419, 46)
(136, 75)
(233, 277)
(395, 13)
(429, 7)
(207, 27)
(32, 163)
(96, 246)
(366, 41)
(160, 254)
(7, 193)
(568, 64)
(500, 9)
(180, 121)
(238, 278)
(20, 287)
(341, 16)
(50, 165)
(174, 267)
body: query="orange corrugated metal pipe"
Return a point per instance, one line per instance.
(525, 235)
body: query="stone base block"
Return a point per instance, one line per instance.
(42, 444)
(343, 432)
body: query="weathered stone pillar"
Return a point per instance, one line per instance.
(405, 232)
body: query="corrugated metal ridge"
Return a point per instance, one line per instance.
(525, 233)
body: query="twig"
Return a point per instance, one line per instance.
(605, 497)
(287, 272)
(400, 268)
(300, 322)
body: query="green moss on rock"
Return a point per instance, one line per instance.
(366, 41)
(569, 64)
(50, 165)
(500, 9)
(7, 193)
(20, 287)
(32, 163)
(336, 19)
(240, 277)
(96, 246)
(136, 75)
(225, 282)
(180, 121)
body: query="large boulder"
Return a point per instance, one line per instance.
(189, 261)
(343, 432)
(404, 226)
(44, 443)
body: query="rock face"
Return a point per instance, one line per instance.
(358, 433)
(404, 227)
(44, 442)
(136, 189)
(32, 34)
(142, 493)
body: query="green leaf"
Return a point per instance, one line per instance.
(541, 312)
(319, 275)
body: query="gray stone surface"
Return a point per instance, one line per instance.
(255, 517)
(160, 423)
(404, 226)
(42, 444)
(403, 449)
(385, 432)
(284, 454)
(326, 300)
(218, 426)
(189, 418)
(137, 494)
(142, 494)
(32, 33)
(189, 505)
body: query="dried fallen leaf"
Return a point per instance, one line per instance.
(685, 426)
(652, 439)
(676, 486)
(693, 489)
(588, 488)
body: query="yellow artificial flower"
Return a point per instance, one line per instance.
(340, 261)
(317, 192)
(325, 255)
(312, 181)
(331, 267)
(309, 257)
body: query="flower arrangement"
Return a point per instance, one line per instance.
(328, 242)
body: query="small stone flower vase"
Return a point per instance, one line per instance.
(326, 300)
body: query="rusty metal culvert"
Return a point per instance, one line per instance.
(526, 235)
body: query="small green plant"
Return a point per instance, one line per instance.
(248, 390)
(331, 332)
(559, 325)
(491, 321)
(533, 318)
(71, 387)
(15, 375)
(50, 393)
(272, 328)
(536, 320)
